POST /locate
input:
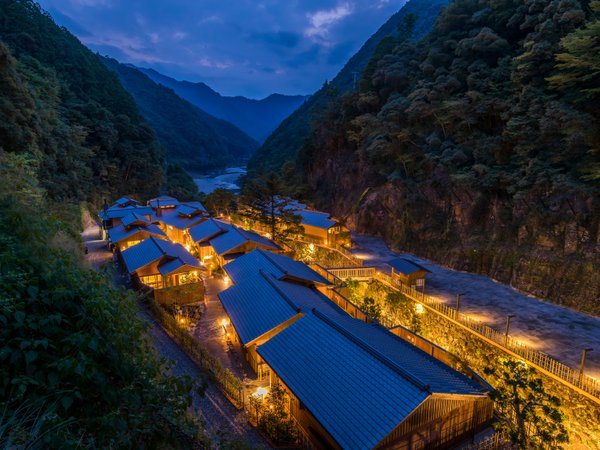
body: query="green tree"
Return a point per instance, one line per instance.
(265, 204)
(221, 202)
(530, 417)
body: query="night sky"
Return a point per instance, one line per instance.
(238, 47)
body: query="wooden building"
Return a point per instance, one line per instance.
(112, 216)
(167, 267)
(133, 230)
(320, 228)
(176, 221)
(352, 385)
(225, 242)
(408, 273)
(163, 202)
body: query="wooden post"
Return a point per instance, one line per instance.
(582, 366)
(510, 316)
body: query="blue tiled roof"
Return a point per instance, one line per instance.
(356, 395)
(234, 237)
(151, 250)
(134, 218)
(173, 218)
(141, 255)
(126, 201)
(277, 265)
(163, 201)
(431, 372)
(316, 219)
(207, 230)
(260, 303)
(405, 266)
(117, 213)
(195, 205)
(121, 232)
(254, 308)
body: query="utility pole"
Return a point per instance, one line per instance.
(510, 316)
(458, 296)
(581, 367)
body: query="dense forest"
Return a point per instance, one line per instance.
(76, 370)
(478, 146)
(191, 137)
(284, 143)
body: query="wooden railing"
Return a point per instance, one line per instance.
(572, 378)
(355, 273)
(350, 308)
(493, 442)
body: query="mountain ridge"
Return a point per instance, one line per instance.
(257, 118)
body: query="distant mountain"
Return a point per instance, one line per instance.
(258, 118)
(285, 142)
(192, 138)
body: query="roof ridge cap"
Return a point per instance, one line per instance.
(373, 352)
(276, 264)
(280, 291)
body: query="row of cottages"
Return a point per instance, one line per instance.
(408, 273)
(147, 253)
(349, 384)
(226, 242)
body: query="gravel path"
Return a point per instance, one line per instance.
(224, 423)
(558, 331)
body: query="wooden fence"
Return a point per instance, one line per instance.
(231, 386)
(350, 308)
(588, 386)
(493, 442)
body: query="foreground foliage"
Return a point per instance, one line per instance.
(530, 417)
(75, 368)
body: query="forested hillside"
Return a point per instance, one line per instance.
(76, 370)
(478, 147)
(65, 108)
(285, 142)
(257, 118)
(191, 137)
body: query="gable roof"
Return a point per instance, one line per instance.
(115, 212)
(316, 219)
(281, 267)
(235, 236)
(431, 372)
(355, 394)
(124, 201)
(403, 265)
(151, 250)
(260, 303)
(163, 201)
(135, 219)
(122, 232)
(207, 230)
(194, 205)
(176, 220)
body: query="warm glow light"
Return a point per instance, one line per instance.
(224, 322)
(181, 320)
(226, 280)
(261, 392)
(311, 247)
(206, 257)
(187, 247)
(419, 308)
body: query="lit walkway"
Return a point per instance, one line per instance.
(558, 331)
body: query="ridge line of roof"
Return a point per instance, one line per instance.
(373, 352)
(280, 291)
(276, 264)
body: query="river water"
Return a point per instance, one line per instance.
(224, 179)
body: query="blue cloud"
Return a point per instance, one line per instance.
(253, 48)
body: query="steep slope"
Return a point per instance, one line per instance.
(258, 118)
(191, 137)
(474, 148)
(285, 142)
(73, 116)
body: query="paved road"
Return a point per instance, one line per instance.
(550, 328)
(224, 423)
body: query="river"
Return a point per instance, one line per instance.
(224, 179)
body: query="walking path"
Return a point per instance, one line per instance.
(224, 423)
(558, 331)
